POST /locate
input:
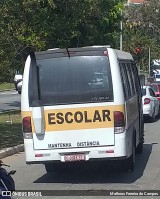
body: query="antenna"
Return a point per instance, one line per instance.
(68, 53)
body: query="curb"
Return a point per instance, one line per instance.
(12, 150)
(12, 89)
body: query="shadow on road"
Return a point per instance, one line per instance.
(99, 172)
(148, 120)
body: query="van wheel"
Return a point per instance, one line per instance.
(19, 92)
(130, 162)
(53, 167)
(139, 148)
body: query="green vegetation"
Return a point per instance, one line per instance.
(142, 28)
(10, 129)
(4, 86)
(46, 24)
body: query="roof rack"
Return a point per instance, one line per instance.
(53, 49)
(97, 46)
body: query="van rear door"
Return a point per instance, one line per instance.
(75, 100)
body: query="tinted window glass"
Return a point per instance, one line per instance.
(154, 87)
(157, 76)
(80, 79)
(151, 92)
(127, 84)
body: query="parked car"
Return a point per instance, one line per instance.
(150, 103)
(19, 87)
(156, 89)
(18, 82)
(157, 77)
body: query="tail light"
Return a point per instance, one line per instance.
(105, 52)
(119, 122)
(27, 127)
(147, 101)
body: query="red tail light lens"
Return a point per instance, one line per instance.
(119, 120)
(105, 52)
(26, 124)
(147, 101)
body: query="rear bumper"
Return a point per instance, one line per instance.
(121, 150)
(147, 110)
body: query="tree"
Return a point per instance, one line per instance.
(142, 27)
(48, 24)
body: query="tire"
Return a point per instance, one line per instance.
(158, 112)
(139, 148)
(130, 162)
(19, 92)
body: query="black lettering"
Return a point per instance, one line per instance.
(80, 119)
(66, 117)
(85, 117)
(51, 117)
(60, 118)
(106, 114)
(97, 116)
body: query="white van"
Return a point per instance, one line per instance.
(81, 104)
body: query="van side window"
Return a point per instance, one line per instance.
(129, 76)
(125, 80)
(135, 74)
(132, 79)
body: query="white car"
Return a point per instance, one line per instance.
(18, 82)
(150, 103)
(19, 87)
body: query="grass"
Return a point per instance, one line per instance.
(10, 129)
(5, 85)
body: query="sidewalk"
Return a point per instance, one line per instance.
(10, 151)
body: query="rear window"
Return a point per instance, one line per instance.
(157, 76)
(154, 88)
(79, 79)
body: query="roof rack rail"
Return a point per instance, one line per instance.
(53, 49)
(97, 46)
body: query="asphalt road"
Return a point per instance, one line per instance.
(9, 100)
(103, 176)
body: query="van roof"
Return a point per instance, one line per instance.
(120, 54)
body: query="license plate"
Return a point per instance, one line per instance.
(74, 157)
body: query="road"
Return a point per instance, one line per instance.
(96, 176)
(9, 100)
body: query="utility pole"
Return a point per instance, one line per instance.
(149, 60)
(121, 37)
